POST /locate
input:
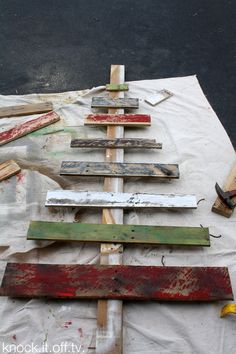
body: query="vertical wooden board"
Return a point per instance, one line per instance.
(8, 168)
(25, 128)
(144, 234)
(23, 110)
(87, 168)
(104, 102)
(136, 120)
(119, 282)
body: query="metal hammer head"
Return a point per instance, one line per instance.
(226, 197)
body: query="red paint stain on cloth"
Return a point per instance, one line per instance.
(20, 177)
(80, 330)
(14, 337)
(67, 324)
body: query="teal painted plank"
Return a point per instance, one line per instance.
(144, 234)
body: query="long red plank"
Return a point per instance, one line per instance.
(117, 282)
(25, 128)
(118, 119)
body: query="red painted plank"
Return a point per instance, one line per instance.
(25, 128)
(116, 119)
(117, 282)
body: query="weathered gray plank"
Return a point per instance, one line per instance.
(66, 198)
(82, 168)
(105, 102)
(25, 109)
(116, 143)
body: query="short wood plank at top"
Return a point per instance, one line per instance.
(116, 143)
(69, 198)
(117, 87)
(8, 168)
(135, 120)
(113, 169)
(25, 128)
(119, 282)
(106, 102)
(26, 109)
(135, 234)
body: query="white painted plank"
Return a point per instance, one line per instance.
(66, 198)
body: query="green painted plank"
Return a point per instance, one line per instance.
(117, 87)
(145, 234)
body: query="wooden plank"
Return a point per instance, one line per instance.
(8, 168)
(86, 168)
(117, 282)
(63, 198)
(116, 143)
(136, 234)
(117, 87)
(106, 102)
(28, 127)
(219, 207)
(26, 109)
(136, 120)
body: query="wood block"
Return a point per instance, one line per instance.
(116, 143)
(67, 198)
(26, 109)
(219, 207)
(136, 120)
(136, 234)
(119, 282)
(28, 127)
(8, 168)
(83, 168)
(106, 102)
(117, 87)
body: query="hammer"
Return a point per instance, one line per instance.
(226, 197)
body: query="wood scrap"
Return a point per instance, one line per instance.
(26, 109)
(8, 168)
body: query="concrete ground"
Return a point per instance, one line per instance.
(60, 45)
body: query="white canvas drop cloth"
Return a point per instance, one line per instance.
(193, 137)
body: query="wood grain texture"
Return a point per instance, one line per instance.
(8, 168)
(83, 168)
(116, 143)
(117, 282)
(26, 109)
(107, 102)
(63, 198)
(117, 87)
(25, 128)
(136, 234)
(136, 120)
(219, 207)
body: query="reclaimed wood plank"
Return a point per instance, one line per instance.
(117, 282)
(63, 198)
(219, 207)
(86, 168)
(26, 109)
(8, 168)
(107, 102)
(116, 143)
(136, 120)
(136, 234)
(117, 87)
(28, 127)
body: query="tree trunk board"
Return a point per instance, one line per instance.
(104, 102)
(116, 143)
(27, 109)
(136, 120)
(83, 168)
(66, 198)
(28, 127)
(119, 282)
(136, 234)
(8, 168)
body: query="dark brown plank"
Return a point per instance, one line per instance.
(116, 143)
(117, 282)
(26, 109)
(106, 102)
(82, 168)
